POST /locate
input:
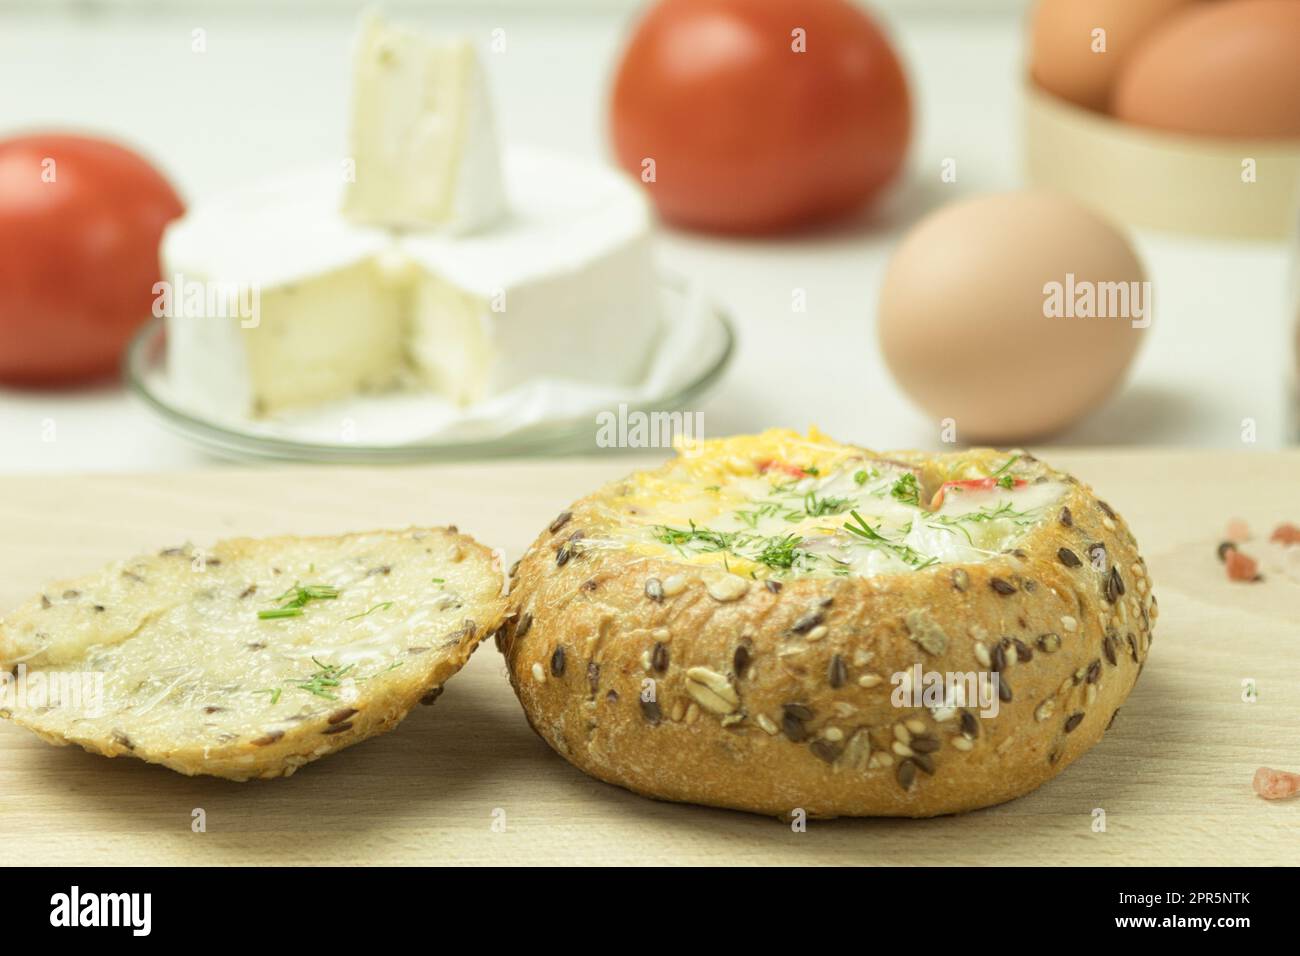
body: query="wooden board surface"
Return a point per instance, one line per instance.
(1172, 776)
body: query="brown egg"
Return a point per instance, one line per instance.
(1069, 59)
(983, 314)
(1225, 69)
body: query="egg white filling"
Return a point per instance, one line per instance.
(865, 518)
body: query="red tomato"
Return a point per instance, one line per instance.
(747, 133)
(80, 221)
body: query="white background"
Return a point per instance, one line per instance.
(270, 94)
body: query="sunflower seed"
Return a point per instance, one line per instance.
(730, 587)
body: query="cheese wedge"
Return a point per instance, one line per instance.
(422, 136)
(251, 658)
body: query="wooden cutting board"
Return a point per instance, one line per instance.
(1172, 776)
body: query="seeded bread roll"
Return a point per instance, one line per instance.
(738, 627)
(251, 658)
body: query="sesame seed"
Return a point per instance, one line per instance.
(870, 680)
(539, 675)
(817, 633)
(982, 655)
(1068, 623)
(833, 734)
(915, 725)
(1045, 710)
(902, 734)
(662, 635)
(1049, 643)
(960, 579)
(961, 743)
(902, 749)
(727, 588)
(674, 585)
(1091, 697)
(765, 722)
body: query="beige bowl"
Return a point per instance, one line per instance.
(1159, 180)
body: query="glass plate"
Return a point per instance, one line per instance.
(146, 359)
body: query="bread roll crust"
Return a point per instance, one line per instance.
(688, 683)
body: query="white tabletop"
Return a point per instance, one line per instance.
(269, 93)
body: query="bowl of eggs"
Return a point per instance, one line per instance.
(1179, 115)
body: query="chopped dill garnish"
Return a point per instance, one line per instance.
(815, 507)
(780, 552)
(298, 597)
(704, 538)
(279, 612)
(906, 490)
(906, 553)
(1003, 512)
(378, 607)
(1002, 476)
(324, 680)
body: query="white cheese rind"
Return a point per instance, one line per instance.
(422, 135)
(563, 289)
(326, 318)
